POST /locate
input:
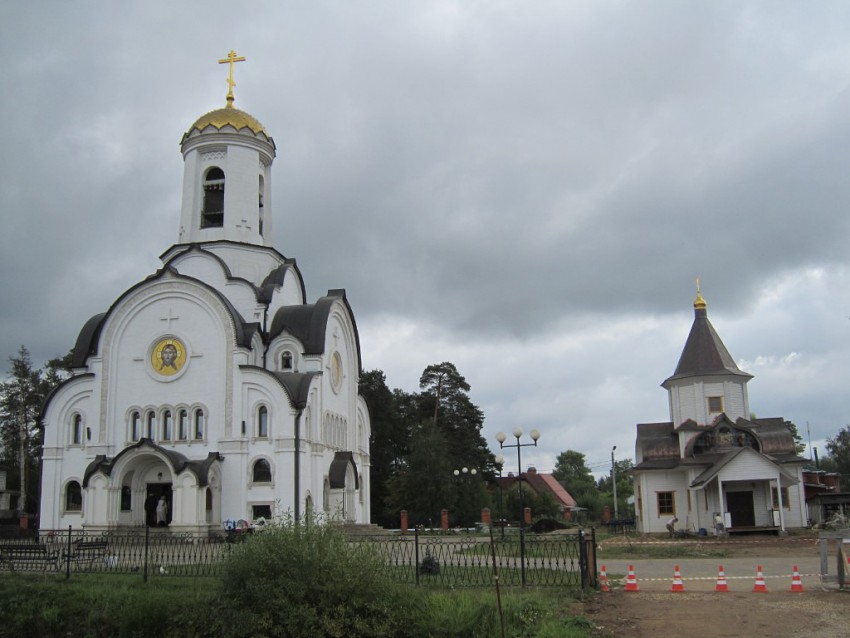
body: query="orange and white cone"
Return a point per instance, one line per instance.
(760, 587)
(678, 585)
(721, 580)
(603, 579)
(796, 582)
(631, 580)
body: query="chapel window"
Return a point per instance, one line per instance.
(263, 422)
(666, 504)
(212, 215)
(77, 430)
(262, 471)
(715, 405)
(199, 424)
(73, 497)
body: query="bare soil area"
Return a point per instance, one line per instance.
(820, 610)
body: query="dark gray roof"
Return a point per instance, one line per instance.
(295, 384)
(309, 322)
(336, 473)
(88, 341)
(264, 291)
(704, 353)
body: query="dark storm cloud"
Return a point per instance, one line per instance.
(523, 186)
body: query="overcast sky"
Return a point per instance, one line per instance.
(526, 189)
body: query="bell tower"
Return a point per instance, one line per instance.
(227, 159)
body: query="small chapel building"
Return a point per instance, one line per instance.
(212, 382)
(713, 463)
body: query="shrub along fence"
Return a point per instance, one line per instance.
(421, 559)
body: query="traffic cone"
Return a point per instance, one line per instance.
(631, 580)
(796, 582)
(721, 580)
(760, 587)
(603, 579)
(678, 585)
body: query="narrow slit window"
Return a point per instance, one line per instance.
(183, 425)
(199, 424)
(263, 422)
(77, 430)
(166, 425)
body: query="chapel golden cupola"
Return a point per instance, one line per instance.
(227, 155)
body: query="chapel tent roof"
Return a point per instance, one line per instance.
(704, 353)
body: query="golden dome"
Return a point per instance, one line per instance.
(228, 115)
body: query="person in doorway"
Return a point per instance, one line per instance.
(150, 510)
(671, 526)
(162, 512)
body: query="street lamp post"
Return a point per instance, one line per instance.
(614, 482)
(500, 461)
(501, 437)
(463, 472)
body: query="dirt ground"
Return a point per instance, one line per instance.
(820, 610)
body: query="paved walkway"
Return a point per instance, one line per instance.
(700, 574)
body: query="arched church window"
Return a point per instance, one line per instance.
(286, 360)
(126, 498)
(182, 425)
(150, 430)
(263, 422)
(166, 425)
(77, 430)
(212, 215)
(262, 471)
(135, 426)
(260, 206)
(73, 497)
(199, 424)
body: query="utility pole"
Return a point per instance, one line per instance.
(614, 482)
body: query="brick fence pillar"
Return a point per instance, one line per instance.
(526, 514)
(404, 521)
(485, 516)
(444, 520)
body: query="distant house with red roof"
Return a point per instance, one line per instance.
(542, 484)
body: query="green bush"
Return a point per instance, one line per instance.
(306, 580)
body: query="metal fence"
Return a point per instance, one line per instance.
(422, 559)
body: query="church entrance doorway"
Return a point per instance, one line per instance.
(154, 492)
(740, 506)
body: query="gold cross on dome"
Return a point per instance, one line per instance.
(231, 59)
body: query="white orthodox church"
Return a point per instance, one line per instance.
(713, 462)
(212, 382)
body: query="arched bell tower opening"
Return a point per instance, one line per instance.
(212, 215)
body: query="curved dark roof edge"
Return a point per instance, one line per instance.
(177, 461)
(336, 472)
(87, 339)
(59, 386)
(241, 329)
(309, 322)
(295, 384)
(713, 373)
